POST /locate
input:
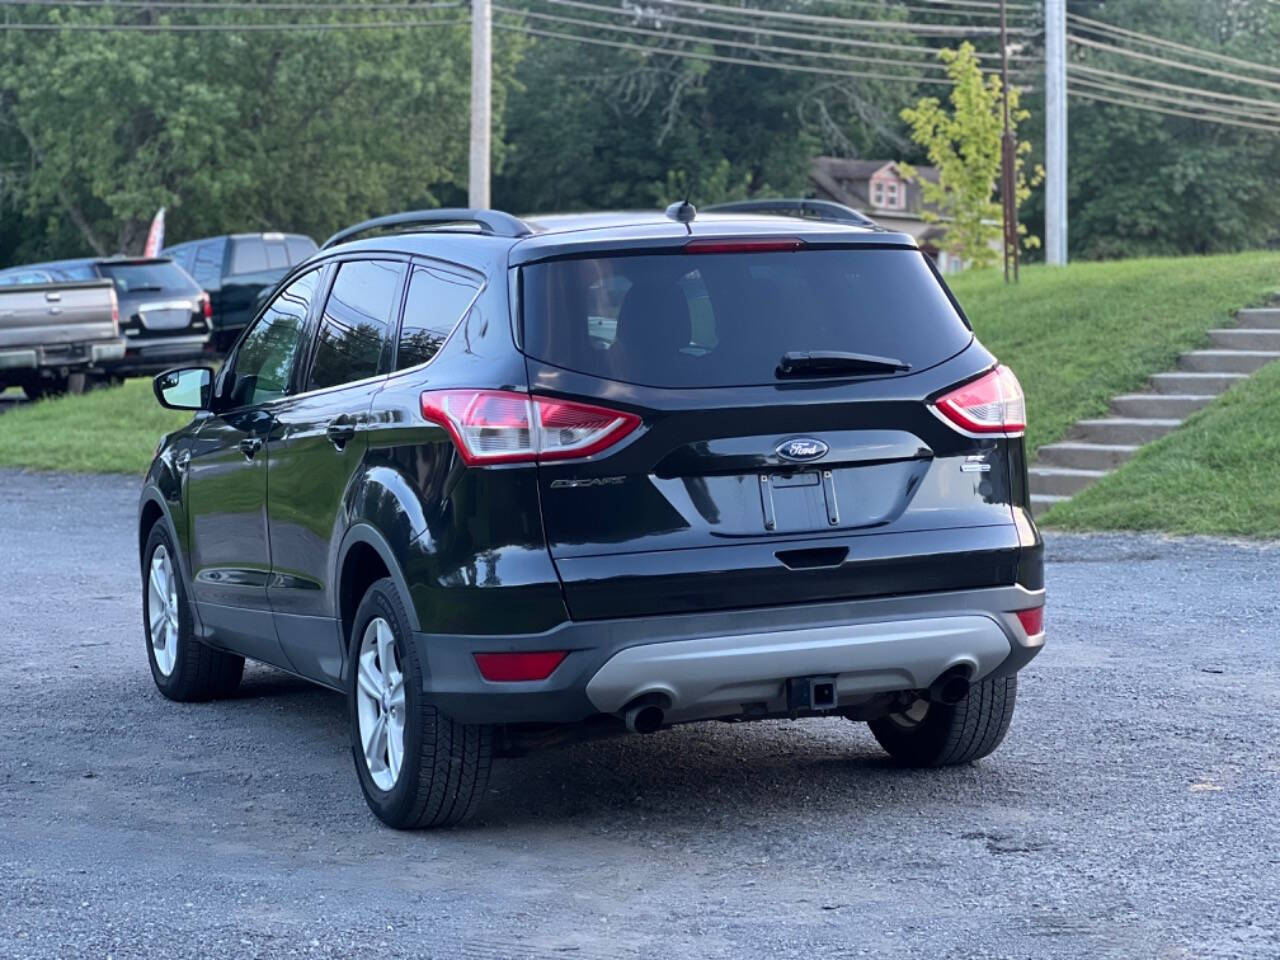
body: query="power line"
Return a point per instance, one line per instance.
(763, 48)
(1169, 111)
(925, 29)
(226, 27)
(1080, 68)
(1178, 101)
(716, 58)
(761, 30)
(940, 11)
(1137, 55)
(1098, 26)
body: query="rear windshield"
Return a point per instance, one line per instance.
(726, 319)
(147, 277)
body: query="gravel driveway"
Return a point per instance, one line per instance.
(1131, 813)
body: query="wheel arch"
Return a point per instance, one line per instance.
(365, 557)
(153, 509)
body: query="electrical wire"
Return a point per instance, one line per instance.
(756, 29)
(1177, 101)
(1169, 111)
(1135, 54)
(1080, 68)
(1098, 26)
(226, 27)
(715, 58)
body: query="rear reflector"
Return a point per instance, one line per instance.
(769, 245)
(1032, 620)
(514, 667)
(993, 403)
(502, 426)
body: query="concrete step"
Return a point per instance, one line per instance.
(1040, 502)
(1160, 405)
(1226, 361)
(1246, 339)
(1261, 318)
(1085, 456)
(1196, 383)
(1126, 430)
(1061, 481)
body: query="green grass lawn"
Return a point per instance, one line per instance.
(106, 431)
(1078, 336)
(1215, 474)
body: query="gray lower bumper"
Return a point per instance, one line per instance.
(712, 664)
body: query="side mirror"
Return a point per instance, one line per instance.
(186, 388)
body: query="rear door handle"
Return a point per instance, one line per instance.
(249, 446)
(340, 430)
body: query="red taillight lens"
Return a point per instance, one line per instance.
(206, 305)
(514, 667)
(993, 403)
(769, 245)
(500, 426)
(1032, 620)
(115, 309)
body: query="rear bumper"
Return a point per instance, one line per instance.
(720, 664)
(61, 355)
(145, 355)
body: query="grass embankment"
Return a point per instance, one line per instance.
(1214, 475)
(1078, 336)
(105, 431)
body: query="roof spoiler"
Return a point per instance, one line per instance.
(491, 222)
(807, 209)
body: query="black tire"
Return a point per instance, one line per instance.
(948, 735)
(199, 671)
(444, 772)
(34, 390)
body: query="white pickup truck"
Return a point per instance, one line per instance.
(53, 336)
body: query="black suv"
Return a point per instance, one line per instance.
(236, 270)
(502, 482)
(164, 315)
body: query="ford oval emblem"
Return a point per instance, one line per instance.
(802, 449)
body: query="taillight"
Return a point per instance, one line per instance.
(500, 426)
(115, 309)
(1032, 620)
(515, 667)
(993, 403)
(768, 245)
(206, 306)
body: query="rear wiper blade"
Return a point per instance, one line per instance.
(835, 363)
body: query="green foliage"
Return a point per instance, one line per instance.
(1215, 474)
(965, 146)
(1079, 335)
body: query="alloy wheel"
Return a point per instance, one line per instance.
(380, 704)
(162, 610)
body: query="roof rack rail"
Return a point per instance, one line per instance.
(491, 222)
(810, 209)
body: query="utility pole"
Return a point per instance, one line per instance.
(481, 102)
(1055, 132)
(1008, 161)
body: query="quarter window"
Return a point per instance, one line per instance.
(265, 360)
(207, 268)
(354, 331)
(436, 301)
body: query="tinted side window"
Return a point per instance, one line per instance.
(248, 255)
(207, 267)
(435, 303)
(265, 359)
(180, 255)
(357, 317)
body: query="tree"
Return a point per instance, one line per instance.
(964, 146)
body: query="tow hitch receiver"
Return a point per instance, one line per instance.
(811, 693)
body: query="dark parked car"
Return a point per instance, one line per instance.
(236, 270)
(579, 475)
(164, 315)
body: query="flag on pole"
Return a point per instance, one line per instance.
(155, 236)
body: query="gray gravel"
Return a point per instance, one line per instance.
(1131, 812)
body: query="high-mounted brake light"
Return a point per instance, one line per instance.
(514, 667)
(767, 245)
(993, 403)
(501, 426)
